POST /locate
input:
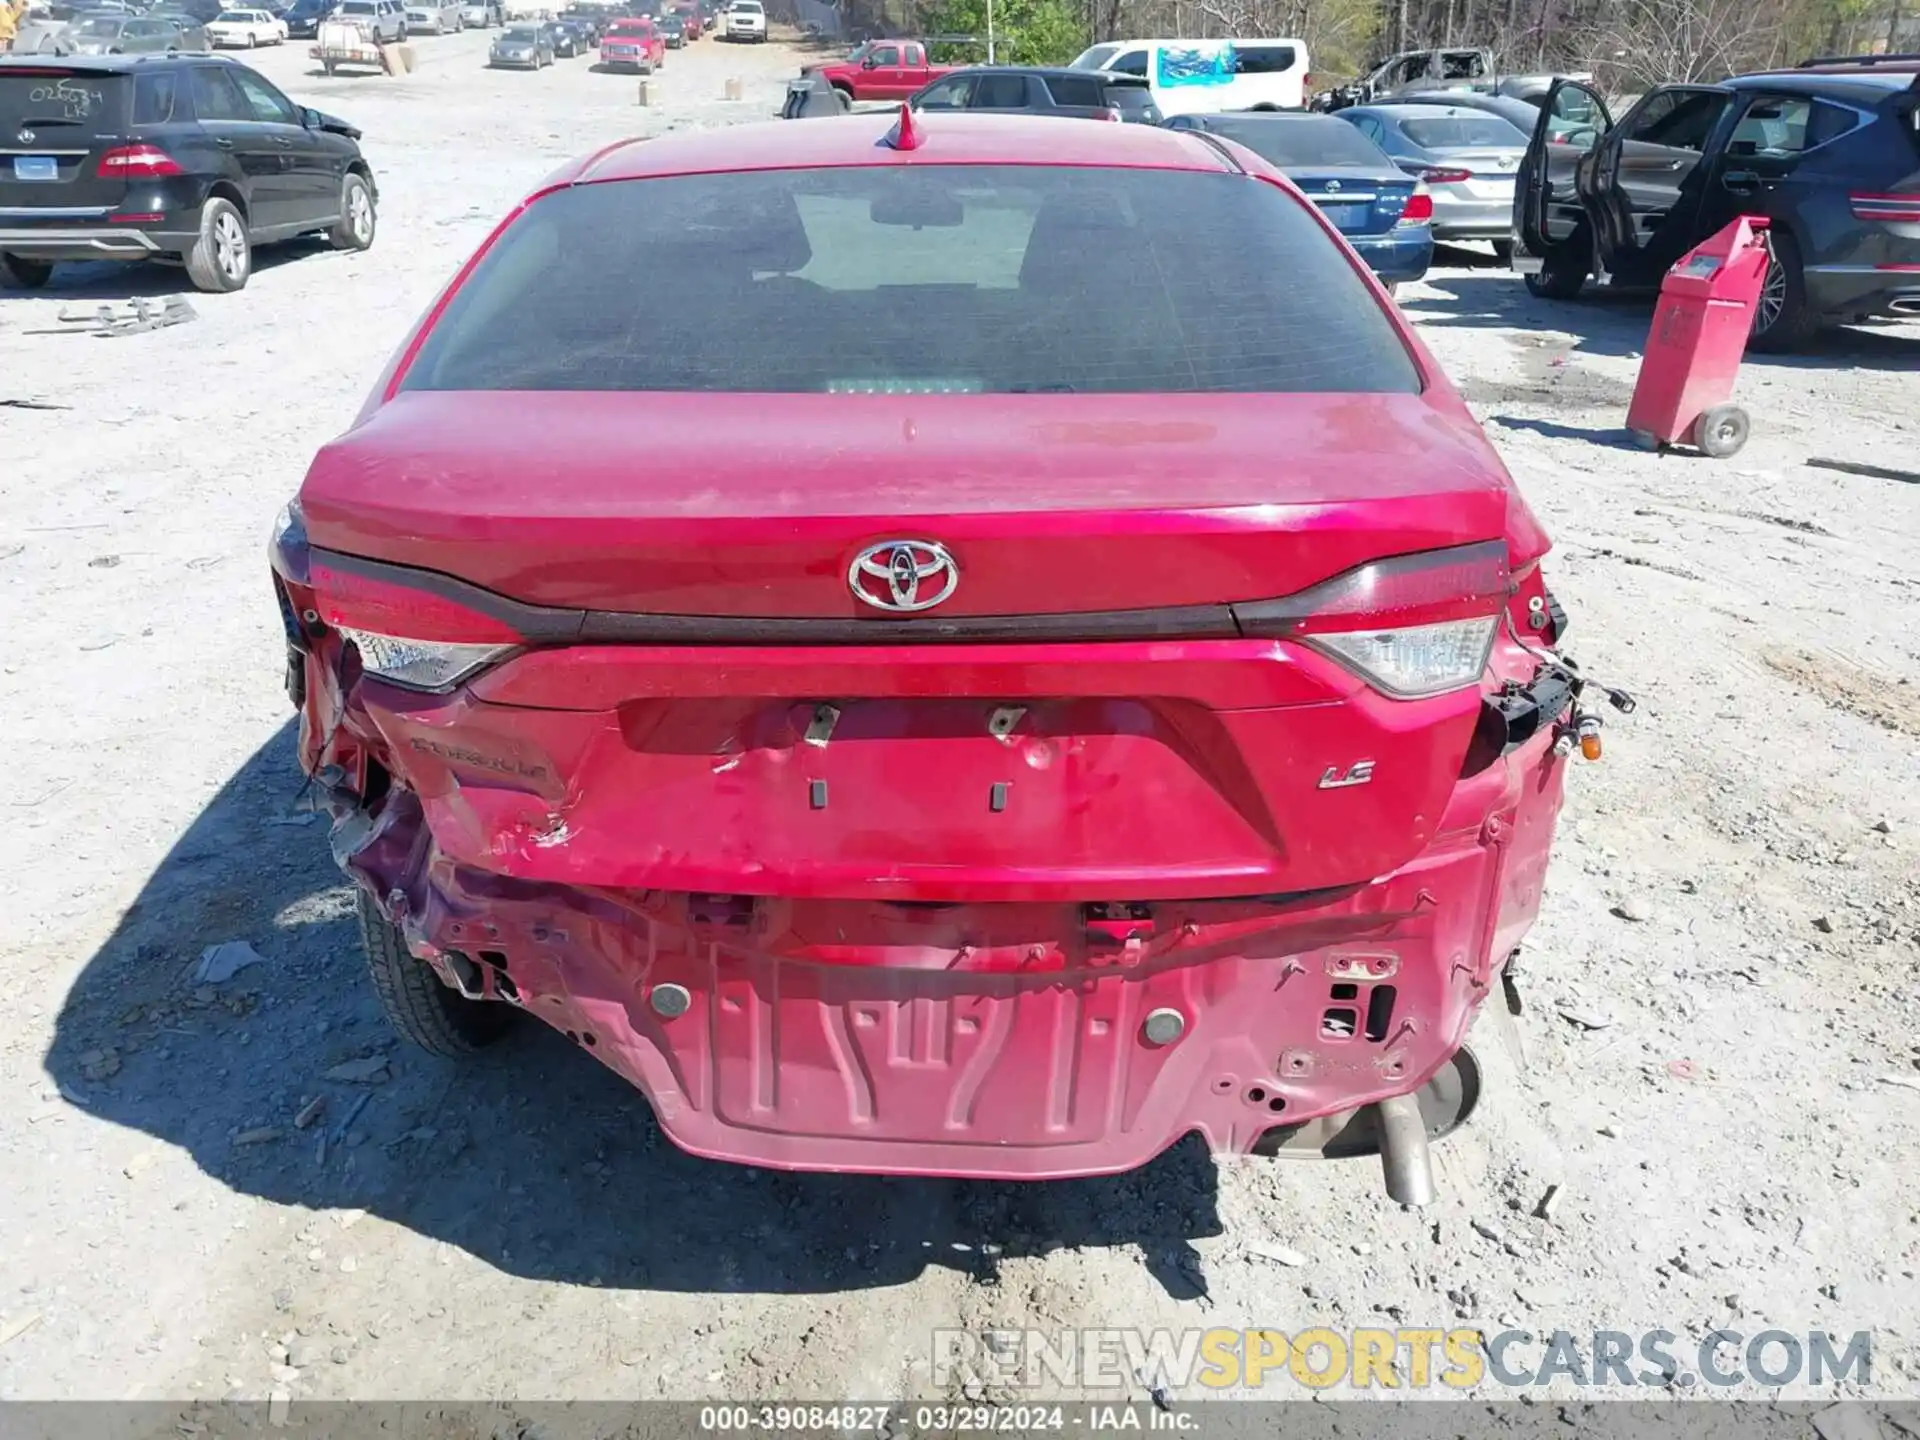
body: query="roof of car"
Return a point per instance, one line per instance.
(108, 64)
(1871, 82)
(946, 139)
(1409, 110)
(1053, 72)
(1260, 117)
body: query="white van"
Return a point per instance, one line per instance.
(1204, 77)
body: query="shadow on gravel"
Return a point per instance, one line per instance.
(125, 280)
(1614, 439)
(534, 1159)
(1615, 322)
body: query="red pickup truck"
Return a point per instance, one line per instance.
(882, 70)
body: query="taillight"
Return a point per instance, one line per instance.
(406, 636)
(1419, 206)
(1441, 175)
(1411, 626)
(136, 162)
(1899, 209)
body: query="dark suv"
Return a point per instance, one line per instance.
(193, 158)
(1037, 90)
(1829, 153)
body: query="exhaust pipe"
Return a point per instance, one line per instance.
(1403, 1151)
(1906, 305)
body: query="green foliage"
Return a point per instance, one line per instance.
(1026, 32)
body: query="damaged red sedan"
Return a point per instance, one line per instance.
(1016, 656)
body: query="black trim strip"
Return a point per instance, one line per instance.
(549, 625)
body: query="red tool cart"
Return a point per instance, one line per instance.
(1700, 329)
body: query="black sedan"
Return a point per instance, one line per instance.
(562, 39)
(673, 30)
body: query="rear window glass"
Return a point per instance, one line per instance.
(1132, 100)
(923, 279)
(1458, 131)
(1321, 140)
(58, 100)
(1263, 59)
(153, 97)
(1075, 90)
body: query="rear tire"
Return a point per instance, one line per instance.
(1783, 320)
(221, 260)
(1563, 270)
(417, 1005)
(1503, 251)
(20, 274)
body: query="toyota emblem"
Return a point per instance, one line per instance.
(903, 575)
(1333, 187)
(25, 137)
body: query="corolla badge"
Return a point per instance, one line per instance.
(903, 575)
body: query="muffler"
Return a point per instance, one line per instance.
(1906, 305)
(1403, 1151)
(1399, 1130)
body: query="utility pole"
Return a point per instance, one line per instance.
(989, 32)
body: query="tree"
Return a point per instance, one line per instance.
(1025, 32)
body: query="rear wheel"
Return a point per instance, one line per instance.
(222, 258)
(25, 274)
(420, 1008)
(1563, 270)
(1783, 320)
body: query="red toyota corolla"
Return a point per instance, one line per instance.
(1016, 656)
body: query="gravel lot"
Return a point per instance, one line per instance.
(1734, 890)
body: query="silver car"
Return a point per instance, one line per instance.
(431, 17)
(521, 47)
(132, 35)
(1524, 115)
(1467, 156)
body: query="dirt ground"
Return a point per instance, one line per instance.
(1732, 922)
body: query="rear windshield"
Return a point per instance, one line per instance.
(928, 279)
(1460, 131)
(1132, 100)
(63, 102)
(1321, 140)
(108, 25)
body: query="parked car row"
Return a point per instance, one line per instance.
(1828, 153)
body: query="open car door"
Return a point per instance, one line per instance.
(1547, 207)
(1642, 187)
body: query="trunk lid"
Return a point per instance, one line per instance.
(56, 121)
(1048, 504)
(1358, 201)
